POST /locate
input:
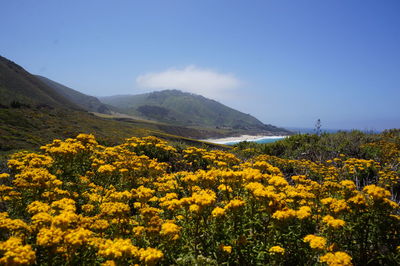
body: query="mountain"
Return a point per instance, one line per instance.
(86, 102)
(187, 109)
(33, 113)
(18, 87)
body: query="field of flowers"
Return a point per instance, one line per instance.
(146, 202)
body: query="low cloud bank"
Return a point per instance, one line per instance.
(190, 79)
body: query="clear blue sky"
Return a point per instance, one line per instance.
(294, 61)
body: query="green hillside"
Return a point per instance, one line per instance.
(187, 109)
(18, 87)
(28, 128)
(86, 102)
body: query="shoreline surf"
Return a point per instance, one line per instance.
(232, 140)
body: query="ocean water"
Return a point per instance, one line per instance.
(262, 140)
(270, 140)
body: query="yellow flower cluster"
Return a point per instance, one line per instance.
(146, 202)
(277, 250)
(336, 259)
(170, 229)
(16, 253)
(227, 249)
(316, 242)
(332, 222)
(117, 248)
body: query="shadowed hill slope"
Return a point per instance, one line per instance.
(17, 86)
(86, 102)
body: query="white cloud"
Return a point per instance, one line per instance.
(191, 79)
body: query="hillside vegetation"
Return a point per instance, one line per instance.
(187, 109)
(150, 203)
(86, 102)
(26, 128)
(20, 88)
(380, 147)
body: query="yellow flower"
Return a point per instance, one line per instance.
(65, 219)
(391, 204)
(348, 184)
(138, 230)
(15, 253)
(169, 229)
(377, 193)
(332, 222)
(335, 205)
(87, 139)
(35, 178)
(49, 236)
(227, 249)
(64, 204)
(316, 242)
(142, 193)
(224, 187)
(87, 207)
(204, 197)
(194, 208)
(119, 196)
(99, 224)
(114, 208)
(284, 215)
(277, 250)
(4, 176)
(278, 181)
(4, 189)
(336, 259)
(304, 212)
(150, 256)
(218, 212)
(41, 219)
(234, 204)
(149, 212)
(13, 225)
(78, 236)
(117, 248)
(358, 200)
(107, 168)
(109, 263)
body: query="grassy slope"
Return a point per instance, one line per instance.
(16, 84)
(87, 102)
(187, 109)
(27, 128)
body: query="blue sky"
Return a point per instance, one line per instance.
(286, 62)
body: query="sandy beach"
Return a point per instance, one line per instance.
(242, 138)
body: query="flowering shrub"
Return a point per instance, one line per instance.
(143, 202)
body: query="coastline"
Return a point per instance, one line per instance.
(242, 138)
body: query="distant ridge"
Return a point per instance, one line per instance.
(89, 103)
(187, 109)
